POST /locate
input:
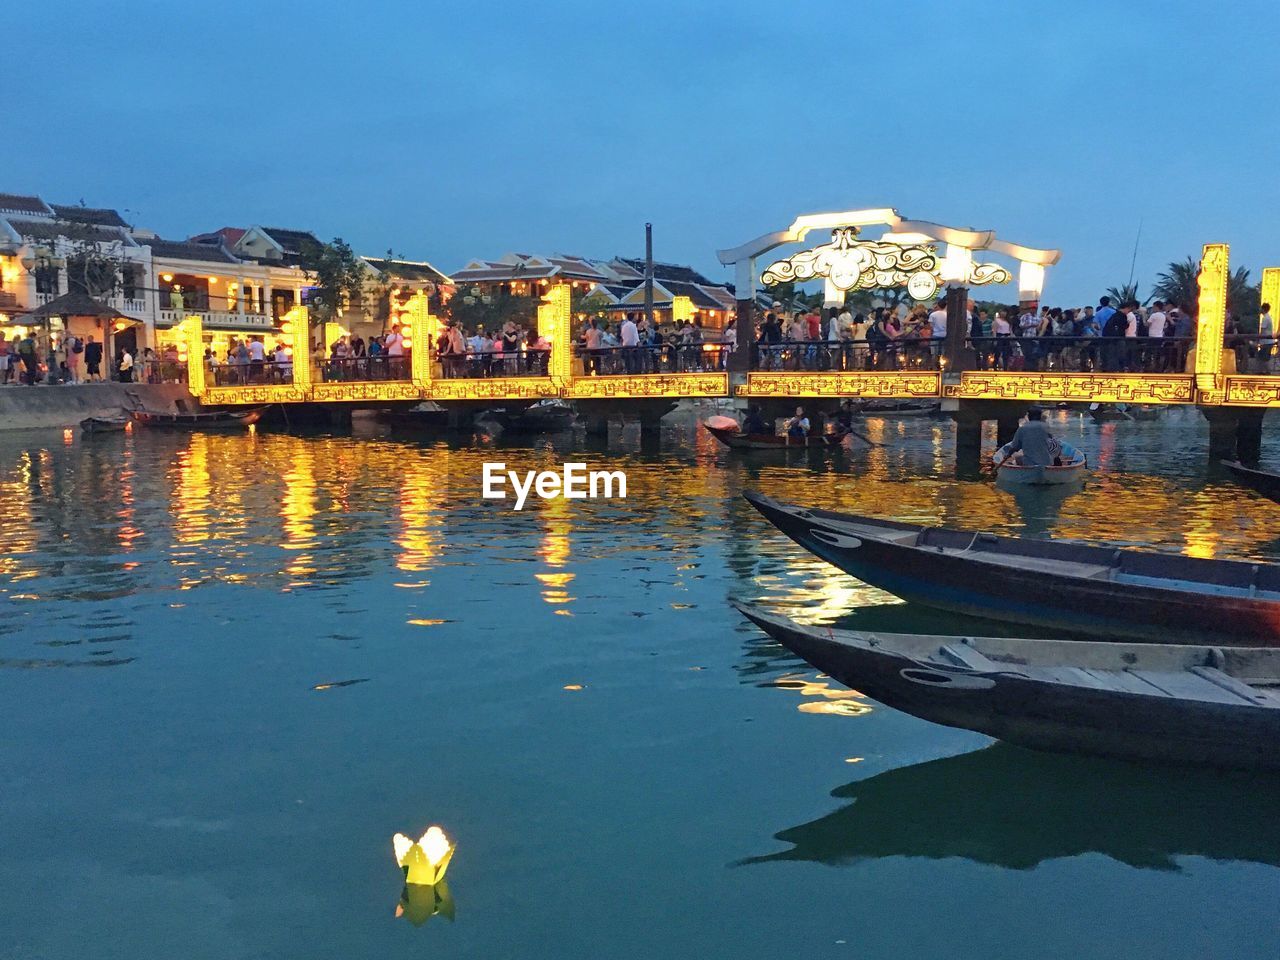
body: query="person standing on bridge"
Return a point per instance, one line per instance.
(629, 335)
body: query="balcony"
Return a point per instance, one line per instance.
(218, 319)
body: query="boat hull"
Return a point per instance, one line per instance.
(96, 425)
(735, 440)
(1262, 481)
(1027, 595)
(199, 422)
(1043, 715)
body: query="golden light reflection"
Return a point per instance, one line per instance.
(297, 508)
(192, 503)
(417, 505)
(822, 698)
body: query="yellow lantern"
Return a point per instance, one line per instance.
(426, 860)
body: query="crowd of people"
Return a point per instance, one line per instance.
(35, 358)
(1123, 337)
(635, 346)
(1117, 337)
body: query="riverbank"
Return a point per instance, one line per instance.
(64, 405)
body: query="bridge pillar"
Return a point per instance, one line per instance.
(1235, 434)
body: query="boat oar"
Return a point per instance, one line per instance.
(864, 438)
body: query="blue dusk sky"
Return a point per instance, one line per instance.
(452, 131)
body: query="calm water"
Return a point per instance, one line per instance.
(204, 792)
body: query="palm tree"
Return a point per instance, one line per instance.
(1124, 293)
(1176, 284)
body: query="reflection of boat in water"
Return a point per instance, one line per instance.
(1263, 481)
(1064, 585)
(199, 422)
(1010, 470)
(95, 425)
(734, 439)
(1210, 706)
(1015, 808)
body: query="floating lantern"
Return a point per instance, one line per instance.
(426, 860)
(66, 436)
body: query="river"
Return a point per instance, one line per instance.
(628, 768)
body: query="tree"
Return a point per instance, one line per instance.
(1178, 284)
(336, 275)
(1124, 294)
(472, 307)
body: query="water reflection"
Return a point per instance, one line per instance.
(1016, 808)
(419, 902)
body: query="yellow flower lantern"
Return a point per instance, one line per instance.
(425, 860)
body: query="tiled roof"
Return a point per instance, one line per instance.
(53, 229)
(185, 250)
(20, 203)
(407, 269)
(98, 216)
(701, 299)
(504, 271)
(292, 241)
(228, 236)
(667, 271)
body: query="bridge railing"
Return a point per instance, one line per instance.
(251, 374)
(488, 364)
(905, 353)
(1254, 353)
(1082, 354)
(161, 371)
(661, 358)
(362, 369)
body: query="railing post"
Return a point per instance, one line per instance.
(953, 351)
(420, 335)
(296, 329)
(1211, 323)
(553, 323)
(193, 341)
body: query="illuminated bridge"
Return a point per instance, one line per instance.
(966, 376)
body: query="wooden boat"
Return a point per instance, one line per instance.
(1009, 470)
(1204, 705)
(1108, 412)
(1063, 585)
(202, 421)
(898, 408)
(734, 439)
(539, 417)
(1263, 481)
(425, 416)
(92, 426)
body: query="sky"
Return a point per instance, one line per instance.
(449, 131)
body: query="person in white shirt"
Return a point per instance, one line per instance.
(630, 340)
(938, 327)
(1156, 320)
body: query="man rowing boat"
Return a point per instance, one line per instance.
(1038, 446)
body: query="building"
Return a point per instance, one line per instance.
(241, 281)
(619, 283)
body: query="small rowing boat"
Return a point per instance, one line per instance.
(203, 421)
(91, 426)
(1204, 705)
(898, 408)
(1070, 468)
(544, 416)
(735, 439)
(1263, 481)
(1077, 588)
